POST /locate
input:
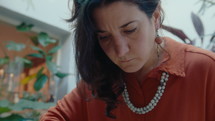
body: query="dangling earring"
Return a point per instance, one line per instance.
(158, 51)
(158, 39)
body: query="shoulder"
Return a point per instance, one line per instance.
(190, 52)
(200, 53)
(200, 57)
(199, 61)
(189, 56)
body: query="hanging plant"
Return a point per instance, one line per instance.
(199, 28)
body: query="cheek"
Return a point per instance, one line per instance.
(108, 50)
(145, 37)
(142, 45)
(140, 37)
(139, 41)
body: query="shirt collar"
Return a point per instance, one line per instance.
(173, 61)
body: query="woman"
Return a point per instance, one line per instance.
(129, 73)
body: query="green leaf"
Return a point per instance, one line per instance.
(24, 60)
(28, 104)
(40, 82)
(24, 27)
(44, 39)
(51, 41)
(36, 48)
(51, 66)
(40, 72)
(28, 65)
(4, 103)
(15, 46)
(61, 75)
(37, 55)
(4, 109)
(43, 53)
(54, 49)
(23, 104)
(32, 97)
(34, 40)
(13, 117)
(49, 58)
(4, 60)
(198, 25)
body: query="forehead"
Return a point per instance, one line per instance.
(117, 13)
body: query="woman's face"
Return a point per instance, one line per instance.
(126, 35)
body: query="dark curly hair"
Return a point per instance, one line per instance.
(94, 67)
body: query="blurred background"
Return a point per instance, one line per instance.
(36, 49)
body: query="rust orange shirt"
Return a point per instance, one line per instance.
(189, 93)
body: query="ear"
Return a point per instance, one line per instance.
(157, 17)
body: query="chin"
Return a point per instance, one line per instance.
(130, 69)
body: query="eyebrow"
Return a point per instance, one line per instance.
(124, 25)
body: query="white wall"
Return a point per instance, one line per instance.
(178, 14)
(67, 62)
(49, 11)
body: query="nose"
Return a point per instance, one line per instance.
(121, 46)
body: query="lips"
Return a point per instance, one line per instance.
(124, 61)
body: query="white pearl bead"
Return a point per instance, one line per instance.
(153, 102)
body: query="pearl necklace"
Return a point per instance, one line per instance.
(153, 102)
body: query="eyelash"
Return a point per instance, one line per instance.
(103, 37)
(127, 31)
(130, 31)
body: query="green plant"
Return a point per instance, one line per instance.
(199, 28)
(206, 4)
(41, 55)
(23, 110)
(30, 103)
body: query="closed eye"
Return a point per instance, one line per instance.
(103, 37)
(130, 31)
